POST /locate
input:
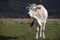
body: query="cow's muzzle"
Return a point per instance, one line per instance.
(29, 16)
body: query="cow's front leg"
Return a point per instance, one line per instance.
(37, 32)
(40, 30)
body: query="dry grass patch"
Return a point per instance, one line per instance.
(22, 21)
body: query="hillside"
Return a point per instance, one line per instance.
(16, 8)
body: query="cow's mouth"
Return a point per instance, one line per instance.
(29, 16)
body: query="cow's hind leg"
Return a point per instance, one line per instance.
(43, 29)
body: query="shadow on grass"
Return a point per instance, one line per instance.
(15, 38)
(8, 38)
(24, 38)
(33, 38)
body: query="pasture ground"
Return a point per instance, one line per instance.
(18, 29)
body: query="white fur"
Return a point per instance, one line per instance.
(40, 14)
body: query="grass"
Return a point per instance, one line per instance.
(53, 31)
(19, 31)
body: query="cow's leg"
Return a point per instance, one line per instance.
(37, 32)
(43, 24)
(40, 30)
(40, 24)
(31, 25)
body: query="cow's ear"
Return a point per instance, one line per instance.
(38, 7)
(27, 8)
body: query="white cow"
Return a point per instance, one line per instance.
(40, 14)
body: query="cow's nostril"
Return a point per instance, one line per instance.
(28, 15)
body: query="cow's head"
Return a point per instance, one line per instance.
(32, 8)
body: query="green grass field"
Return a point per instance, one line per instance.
(20, 31)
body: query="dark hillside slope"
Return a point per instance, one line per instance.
(16, 8)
